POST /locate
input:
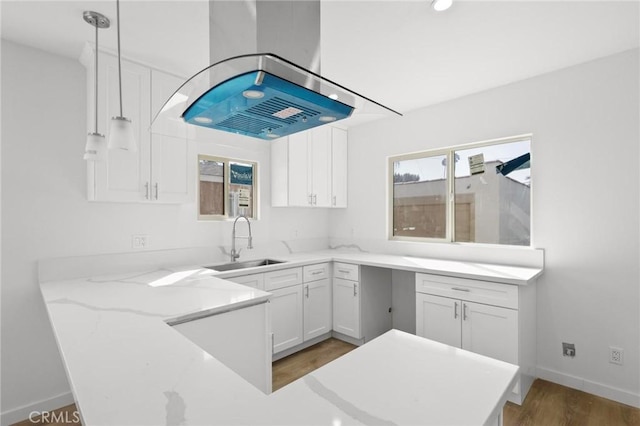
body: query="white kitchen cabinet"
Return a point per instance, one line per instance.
(286, 317)
(361, 301)
(122, 176)
(483, 329)
(319, 163)
(339, 155)
(438, 318)
(491, 319)
(346, 307)
(303, 170)
(240, 339)
(173, 155)
(317, 301)
(163, 167)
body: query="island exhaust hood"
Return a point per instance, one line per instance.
(264, 95)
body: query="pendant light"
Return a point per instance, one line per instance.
(121, 131)
(440, 5)
(94, 150)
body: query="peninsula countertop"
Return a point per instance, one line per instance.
(127, 366)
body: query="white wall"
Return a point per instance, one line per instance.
(585, 212)
(46, 214)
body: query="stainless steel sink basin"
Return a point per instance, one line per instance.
(243, 265)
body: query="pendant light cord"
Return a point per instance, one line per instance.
(96, 85)
(119, 61)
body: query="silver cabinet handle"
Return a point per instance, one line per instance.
(355, 289)
(273, 348)
(344, 271)
(316, 272)
(460, 289)
(455, 310)
(307, 289)
(156, 187)
(311, 199)
(334, 200)
(146, 191)
(464, 311)
(315, 199)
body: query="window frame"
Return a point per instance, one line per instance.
(449, 152)
(226, 161)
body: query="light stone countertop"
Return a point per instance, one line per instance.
(126, 366)
(517, 275)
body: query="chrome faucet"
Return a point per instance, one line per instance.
(235, 255)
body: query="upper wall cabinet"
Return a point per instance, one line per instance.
(309, 169)
(162, 169)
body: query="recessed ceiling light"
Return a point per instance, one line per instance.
(326, 118)
(440, 5)
(203, 120)
(253, 94)
(333, 96)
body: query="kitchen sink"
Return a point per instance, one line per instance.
(243, 265)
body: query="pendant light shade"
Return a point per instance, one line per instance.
(121, 134)
(120, 131)
(95, 147)
(440, 5)
(94, 150)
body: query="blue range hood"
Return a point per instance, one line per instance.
(261, 105)
(263, 96)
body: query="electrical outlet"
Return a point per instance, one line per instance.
(139, 241)
(568, 349)
(616, 355)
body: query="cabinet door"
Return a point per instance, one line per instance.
(123, 175)
(279, 172)
(491, 331)
(163, 86)
(317, 308)
(299, 183)
(320, 166)
(346, 307)
(173, 168)
(286, 317)
(438, 318)
(339, 168)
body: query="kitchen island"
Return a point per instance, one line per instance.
(127, 366)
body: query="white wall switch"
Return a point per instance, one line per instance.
(139, 241)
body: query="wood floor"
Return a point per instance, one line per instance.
(547, 404)
(291, 368)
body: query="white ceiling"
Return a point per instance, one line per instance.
(399, 53)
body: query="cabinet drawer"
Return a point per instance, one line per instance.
(284, 278)
(315, 272)
(346, 271)
(489, 293)
(253, 280)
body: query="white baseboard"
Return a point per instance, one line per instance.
(22, 413)
(599, 389)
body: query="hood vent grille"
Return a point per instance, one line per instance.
(244, 124)
(273, 106)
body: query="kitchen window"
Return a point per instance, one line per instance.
(226, 188)
(476, 193)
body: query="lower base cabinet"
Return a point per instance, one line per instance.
(286, 317)
(361, 301)
(317, 308)
(346, 307)
(240, 339)
(491, 319)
